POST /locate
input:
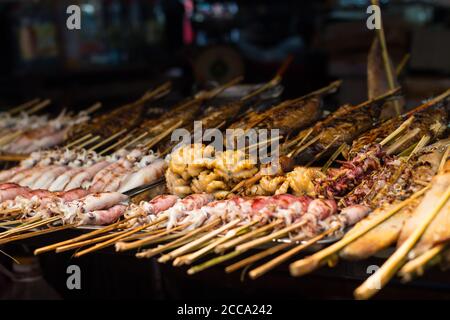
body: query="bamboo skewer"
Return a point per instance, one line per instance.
(88, 142)
(94, 108)
(187, 237)
(234, 242)
(444, 160)
(10, 211)
(382, 276)
(11, 222)
(119, 237)
(129, 144)
(35, 233)
(74, 143)
(309, 264)
(205, 95)
(297, 150)
(107, 140)
(261, 255)
(273, 82)
(188, 247)
(191, 257)
(115, 145)
(386, 60)
(401, 66)
(332, 87)
(81, 237)
(10, 137)
(125, 246)
(429, 103)
(24, 106)
(295, 140)
(397, 131)
(214, 261)
(85, 242)
(333, 157)
(321, 153)
(417, 266)
(91, 241)
(261, 270)
(39, 106)
(270, 237)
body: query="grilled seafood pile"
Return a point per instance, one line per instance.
(64, 170)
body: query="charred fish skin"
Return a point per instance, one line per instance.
(340, 129)
(293, 116)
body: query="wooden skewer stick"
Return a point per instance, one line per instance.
(273, 82)
(129, 144)
(119, 237)
(115, 145)
(74, 143)
(29, 227)
(24, 106)
(21, 222)
(295, 140)
(10, 211)
(309, 264)
(261, 270)
(297, 151)
(254, 233)
(187, 237)
(386, 60)
(125, 246)
(332, 87)
(12, 217)
(143, 234)
(94, 108)
(270, 237)
(190, 246)
(79, 238)
(417, 266)
(107, 140)
(191, 257)
(164, 134)
(85, 242)
(444, 160)
(90, 141)
(39, 106)
(333, 157)
(397, 131)
(321, 153)
(10, 137)
(429, 103)
(399, 142)
(157, 92)
(36, 233)
(382, 276)
(11, 222)
(212, 262)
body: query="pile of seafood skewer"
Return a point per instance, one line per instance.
(222, 204)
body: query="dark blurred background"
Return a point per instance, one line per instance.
(125, 46)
